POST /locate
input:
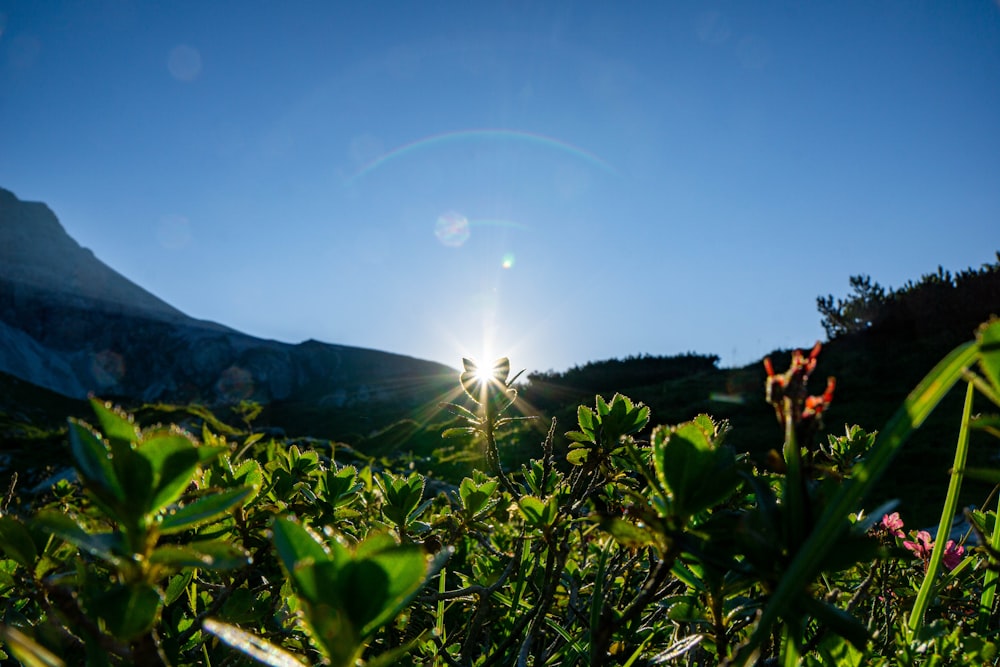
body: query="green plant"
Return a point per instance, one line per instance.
(640, 546)
(492, 391)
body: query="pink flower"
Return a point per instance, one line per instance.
(922, 547)
(953, 554)
(892, 524)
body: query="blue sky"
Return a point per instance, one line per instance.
(560, 182)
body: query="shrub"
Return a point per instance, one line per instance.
(642, 547)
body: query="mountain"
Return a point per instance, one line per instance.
(72, 325)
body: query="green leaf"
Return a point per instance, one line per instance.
(114, 423)
(7, 577)
(578, 456)
(585, 418)
(628, 534)
(92, 458)
(621, 418)
(107, 546)
(256, 647)
(501, 370)
(476, 497)
(174, 459)
(579, 437)
(531, 509)
(705, 423)
(16, 542)
(243, 606)
(298, 548)
(204, 510)
(249, 474)
(682, 608)
(458, 432)
(988, 336)
(688, 464)
(296, 543)
(208, 453)
(29, 652)
(378, 587)
(136, 475)
(347, 598)
(640, 419)
(691, 575)
(989, 423)
(602, 407)
(177, 585)
(460, 411)
(838, 620)
(342, 486)
(393, 656)
(402, 496)
(465, 489)
(127, 610)
(538, 513)
(207, 555)
(469, 379)
(303, 463)
(990, 475)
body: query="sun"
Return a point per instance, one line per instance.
(484, 374)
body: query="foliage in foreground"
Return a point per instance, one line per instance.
(641, 548)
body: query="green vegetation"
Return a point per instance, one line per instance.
(938, 304)
(236, 548)
(192, 537)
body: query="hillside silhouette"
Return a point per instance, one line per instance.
(882, 342)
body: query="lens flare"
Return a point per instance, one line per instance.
(107, 368)
(719, 397)
(452, 229)
(184, 63)
(508, 261)
(173, 232)
(492, 135)
(235, 384)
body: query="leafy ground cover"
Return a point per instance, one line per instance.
(226, 547)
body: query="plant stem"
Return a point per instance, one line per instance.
(790, 650)
(719, 623)
(947, 515)
(794, 497)
(992, 577)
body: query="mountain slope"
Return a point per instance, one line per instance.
(38, 256)
(72, 325)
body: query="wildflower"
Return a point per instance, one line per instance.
(787, 392)
(815, 405)
(922, 547)
(892, 524)
(792, 382)
(953, 554)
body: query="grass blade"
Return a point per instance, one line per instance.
(256, 647)
(947, 515)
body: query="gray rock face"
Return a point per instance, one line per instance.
(73, 325)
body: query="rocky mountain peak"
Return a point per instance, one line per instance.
(37, 255)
